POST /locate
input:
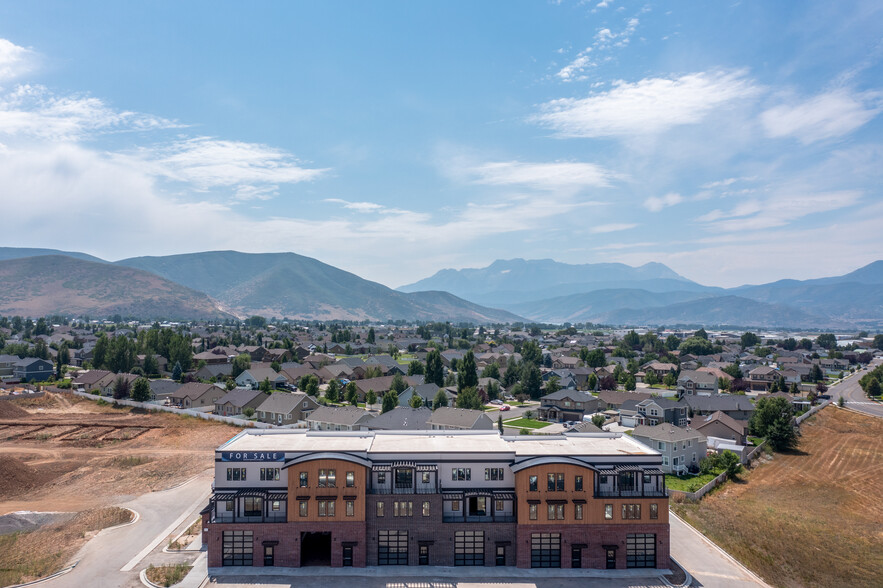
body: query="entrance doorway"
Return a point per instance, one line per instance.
(315, 549)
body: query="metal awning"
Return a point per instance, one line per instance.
(504, 496)
(404, 464)
(381, 467)
(452, 496)
(655, 471)
(627, 468)
(426, 467)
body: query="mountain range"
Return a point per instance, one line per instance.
(214, 284)
(653, 294)
(37, 282)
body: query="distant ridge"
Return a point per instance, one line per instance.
(20, 252)
(58, 284)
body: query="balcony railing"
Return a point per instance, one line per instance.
(458, 518)
(229, 518)
(408, 490)
(645, 493)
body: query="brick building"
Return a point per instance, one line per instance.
(290, 498)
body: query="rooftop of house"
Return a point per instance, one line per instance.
(666, 432)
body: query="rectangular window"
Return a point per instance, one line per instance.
(402, 509)
(238, 548)
(646, 479)
(640, 550)
(660, 445)
(578, 484)
(627, 481)
(276, 506)
(578, 512)
(498, 506)
(654, 511)
(425, 478)
(269, 474)
(426, 508)
(532, 511)
(404, 478)
(631, 511)
(603, 480)
(461, 474)
(303, 480)
(493, 474)
(350, 479)
(350, 508)
(455, 505)
(302, 508)
(229, 505)
(236, 474)
(532, 482)
(253, 507)
(381, 477)
(608, 512)
(379, 509)
(560, 482)
(556, 512)
(550, 482)
(326, 508)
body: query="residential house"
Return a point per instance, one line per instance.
(211, 358)
(567, 405)
(735, 405)
(682, 449)
(237, 400)
(252, 378)
(720, 424)
(218, 371)
(7, 365)
(657, 410)
(462, 419)
(762, 377)
(196, 395)
(613, 399)
(162, 389)
(284, 408)
(427, 392)
(659, 369)
(108, 385)
(696, 383)
(33, 369)
(339, 418)
(91, 380)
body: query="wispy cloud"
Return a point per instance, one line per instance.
(359, 206)
(825, 116)
(657, 203)
(612, 227)
(649, 106)
(541, 176)
(605, 38)
(778, 210)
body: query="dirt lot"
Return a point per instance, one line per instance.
(813, 517)
(65, 453)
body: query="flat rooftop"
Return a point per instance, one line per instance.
(377, 443)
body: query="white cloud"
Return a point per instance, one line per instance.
(359, 206)
(541, 176)
(825, 116)
(35, 112)
(572, 70)
(207, 162)
(650, 106)
(657, 203)
(612, 227)
(15, 61)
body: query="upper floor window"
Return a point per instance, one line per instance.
(425, 479)
(381, 477)
(461, 474)
(556, 512)
(303, 479)
(631, 511)
(578, 484)
(236, 474)
(654, 511)
(350, 479)
(493, 473)
(327, 479)
(532, 511)
(269, 474)
(532, 483)
(608, 511)
(555, 482)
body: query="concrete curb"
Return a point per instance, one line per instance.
(178, 536)
(143, 577)
(136, 516)
(717, 547)
(688, 578)
(50, 577)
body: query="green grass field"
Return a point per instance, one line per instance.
(523, 423)
(688, 483)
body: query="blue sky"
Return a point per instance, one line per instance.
(736, 143)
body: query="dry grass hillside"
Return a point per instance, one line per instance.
(813, 517)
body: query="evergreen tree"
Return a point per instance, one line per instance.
(467, 374)
(500, 423)
(468, 398)
(435, 371)
(415, 368)
(121, 388)
(177, 372)
(629, 383)
(390, 401)
(64, 358)
(352, 393)
(241, 363)
(141, 390)
(151, 366)
(441, 399)
(532, 381)
(398, 384)
(592, 382)
(370, 338)
(370, 398)
(552, 385)
(331, 393)
(99, 352)
(416, 401)
(266, 387)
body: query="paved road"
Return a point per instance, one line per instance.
(854, 396)
(708, 564)
(106, 554)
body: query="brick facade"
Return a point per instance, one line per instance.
(594, 537)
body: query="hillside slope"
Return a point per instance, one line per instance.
(295, 286)
(57, 284)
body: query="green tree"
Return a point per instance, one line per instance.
(435, 370)
(532, 380)
(333, 391)
(749, 339)
(732, 370)
(177, 372)
(398, 384)
(630, 383)
(311, 387)
(241, 363)
(816, 374)
(492, 370)
(141, 390)
(276, 366)
(873, 387)
(696, 346)
(63, 358)
(371, 398)
(467, 374)
(672, 342)
(416, 401)
(826, 340)
(416, 368)
(229, 384)
(598, 420)
(878, 342)
(772, 419)
(266, 387)
(701, 334)
(531, 353)
(500, 423)
(730, 463)
(151, 366)
(670, 379)
(493, 391)
(370, 338)
(632, 340)
(441, 399)
(789, 344)
(352, 393)
(248, 412)
(390, 401)
(468, 398)
(592, 382)
(794, 389)
(650, 378)
(594, 358)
